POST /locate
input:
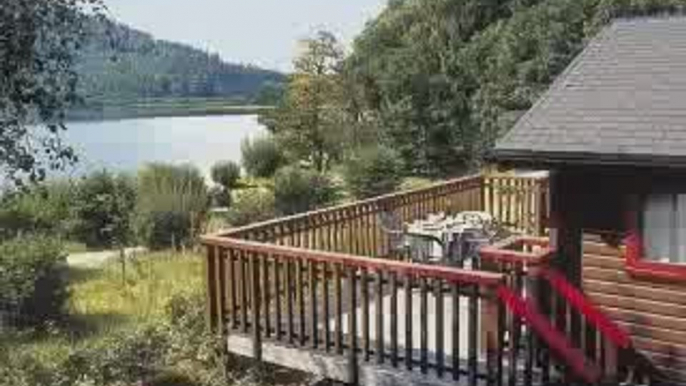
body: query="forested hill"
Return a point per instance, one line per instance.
(121, 67)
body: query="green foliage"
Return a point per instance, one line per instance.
(43, 209)
(120, 63)
(178, 348)
(373, 172)
(226, 174)
(103, 210)
(38, 47)
(33, 288)
(250, 206)
(445, 78)
(299, 190)
(270, 94)
(172, 205)
(261, 156)
(306, 122)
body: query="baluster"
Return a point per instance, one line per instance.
(515, 327)
(221, 289)
(289, 299)
(232, 284)
(265, 295)
(423, 326)
(277, 297)
(255, 280)
(338, 291)
(394, 319)
(244, 291)
(325, 302)
(502, 316)
(312, 284)
(364, 288)
(352, 327)
(408, 321)
(455, 289)
(473, 334)
(379, 318)
(300, 298)
(440, 350)
(210, 268)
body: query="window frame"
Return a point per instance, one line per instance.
(636, 262)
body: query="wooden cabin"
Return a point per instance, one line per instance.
(598, 294)
(612, 132)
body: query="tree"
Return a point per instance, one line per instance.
(297, 190)
(103, 210)
(39, 41)
(226, 175)
(171, 205)
(305, 120)
(373, 171)
(261, 156)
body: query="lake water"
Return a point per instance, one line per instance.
(127, 145)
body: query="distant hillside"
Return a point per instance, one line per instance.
(121, 66)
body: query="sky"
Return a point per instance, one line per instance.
(259, 32)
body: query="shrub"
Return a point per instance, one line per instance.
(103, 209)
(299, 190)
(220, 197)
(251, 205)
(33, 286)
(226, 174)
(261, 156)
(172, 205)
(373, 172)
(176, 351)
(40, 209)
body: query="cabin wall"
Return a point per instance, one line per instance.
(653, 312)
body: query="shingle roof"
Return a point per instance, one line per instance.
(622, 101)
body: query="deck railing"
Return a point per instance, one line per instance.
(324, 280)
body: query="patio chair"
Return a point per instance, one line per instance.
(415, 247)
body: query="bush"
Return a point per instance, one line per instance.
(172, 205)
(33, 285)
(261, 156)
(220, 197)
(251, 205)
(373, 172)
(299, 190)
(226, 174)
(41, 209)
(178, 349)
(103, 209)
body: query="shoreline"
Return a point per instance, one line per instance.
(156, 111)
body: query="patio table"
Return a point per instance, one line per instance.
(451, 229)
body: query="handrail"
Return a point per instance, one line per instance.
(500, 254)
(343, 207)
(582, 304)
(453, 275)
(528, 311)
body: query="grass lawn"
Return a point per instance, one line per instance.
(106, 304)
(107, 298)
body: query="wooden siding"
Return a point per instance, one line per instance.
(653, 312)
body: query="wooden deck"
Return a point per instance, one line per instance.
(323, 292)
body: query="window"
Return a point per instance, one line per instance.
(663, 228)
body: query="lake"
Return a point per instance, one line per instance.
(127, 145)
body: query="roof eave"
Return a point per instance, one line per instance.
(552, 160)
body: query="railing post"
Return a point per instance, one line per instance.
(482, 192)
(541, 206)
(256, 328)
(211, 289)
(490, 322)
(353, 373)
